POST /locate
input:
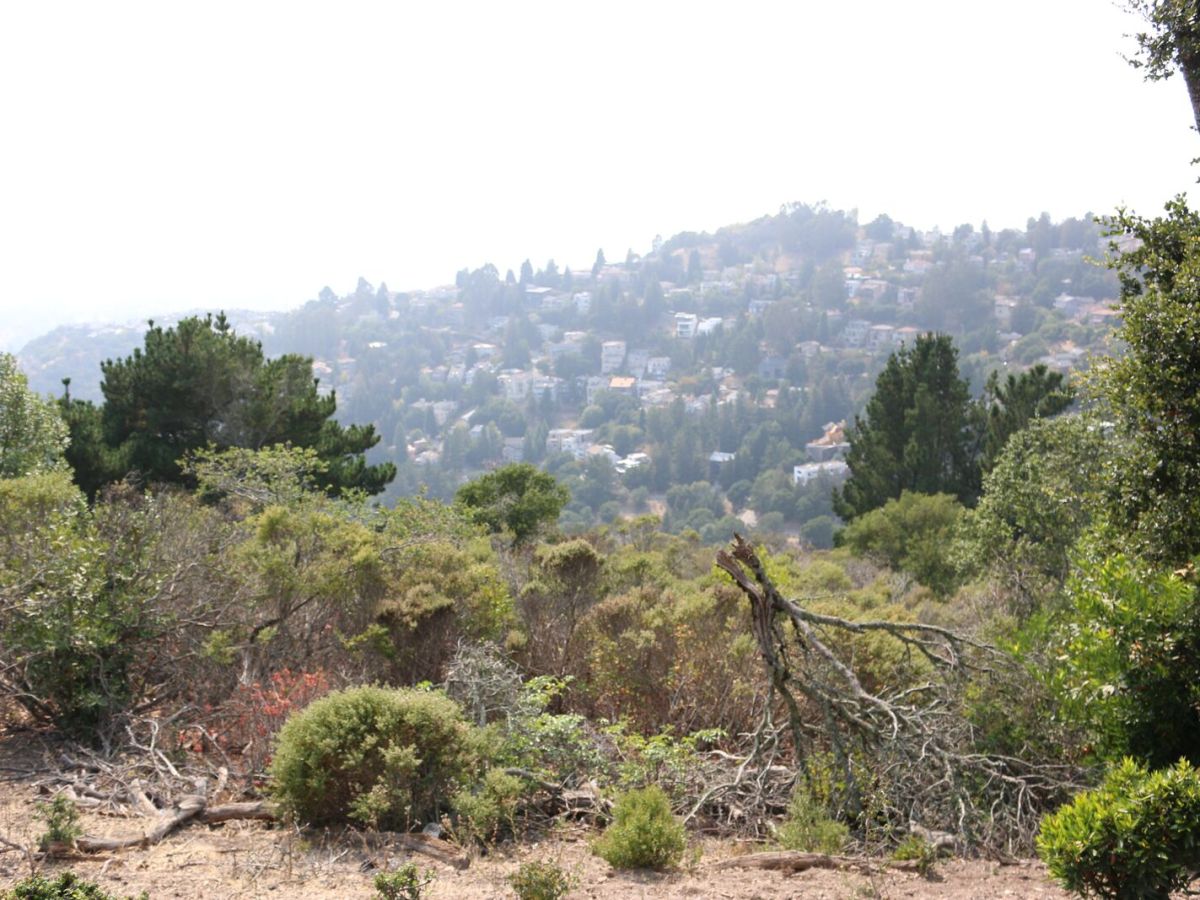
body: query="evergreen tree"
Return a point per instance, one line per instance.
(916, 435)
(200, 384)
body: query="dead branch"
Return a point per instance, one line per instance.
(909, 742)
(792, 861)
(436, 848)
(195, 808)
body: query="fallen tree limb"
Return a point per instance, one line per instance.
(260, 810)
(442, 851)
(905, 742)
(194, 808)
(793, 861)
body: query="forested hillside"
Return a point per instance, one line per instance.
(709, 382)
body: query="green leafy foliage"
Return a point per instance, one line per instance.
(912, 534)
(1128, 663)
(406, 883)
(89, 585)
(1133, 837)
(487, 811)
(67, 886)
(644, 833)
(1040, 497)
(61, 819)
(540, 881)
(379, 757)
(809, 827)
(517, 498)
(1154, 387)
(916, 849)
(33, 435)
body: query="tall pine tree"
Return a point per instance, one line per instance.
(916, 434)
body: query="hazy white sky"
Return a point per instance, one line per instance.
(160, 156)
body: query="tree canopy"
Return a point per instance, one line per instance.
(519, 498)
(916, 432)
(1154, 388)
(1171, 42)
(200, 384)
(32, 434)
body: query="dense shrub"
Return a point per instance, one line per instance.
(540, 881)
(67, 886)
(644, 834)
(809, 827)
(1128, 659)
(490, 810)
(1133, 837)
(383, 757)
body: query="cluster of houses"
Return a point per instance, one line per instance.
(826, 457)
(874, 271)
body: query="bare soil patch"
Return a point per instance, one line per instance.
(242, 859)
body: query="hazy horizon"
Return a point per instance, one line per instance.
(244, 157)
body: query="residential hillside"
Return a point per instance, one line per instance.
(705, 380)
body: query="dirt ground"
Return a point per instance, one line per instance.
(250, 859)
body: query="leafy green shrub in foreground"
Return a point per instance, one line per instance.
(540, 881)
(808, 827)
(385, 758)
(67, 886)
(1133, 837)
(644, 833)
(406, 883)
(485, 813)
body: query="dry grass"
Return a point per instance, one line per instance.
(253, 859)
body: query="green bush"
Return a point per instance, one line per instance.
(67, 886)
(406, 883)
(540, 881)
(385, 758)
(1133, 837)
(644, 833)
(808, 827)
(917, 849)
(62, 821)
(485, 813)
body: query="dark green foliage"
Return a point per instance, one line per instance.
(540, 881)
(385, 758)
(644, 833)
(916, 434)
(1154, 388)
(517, 498)
(67, 886)
(200, 384)
(93, 462)
(1011, 405)
(1133, 838)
